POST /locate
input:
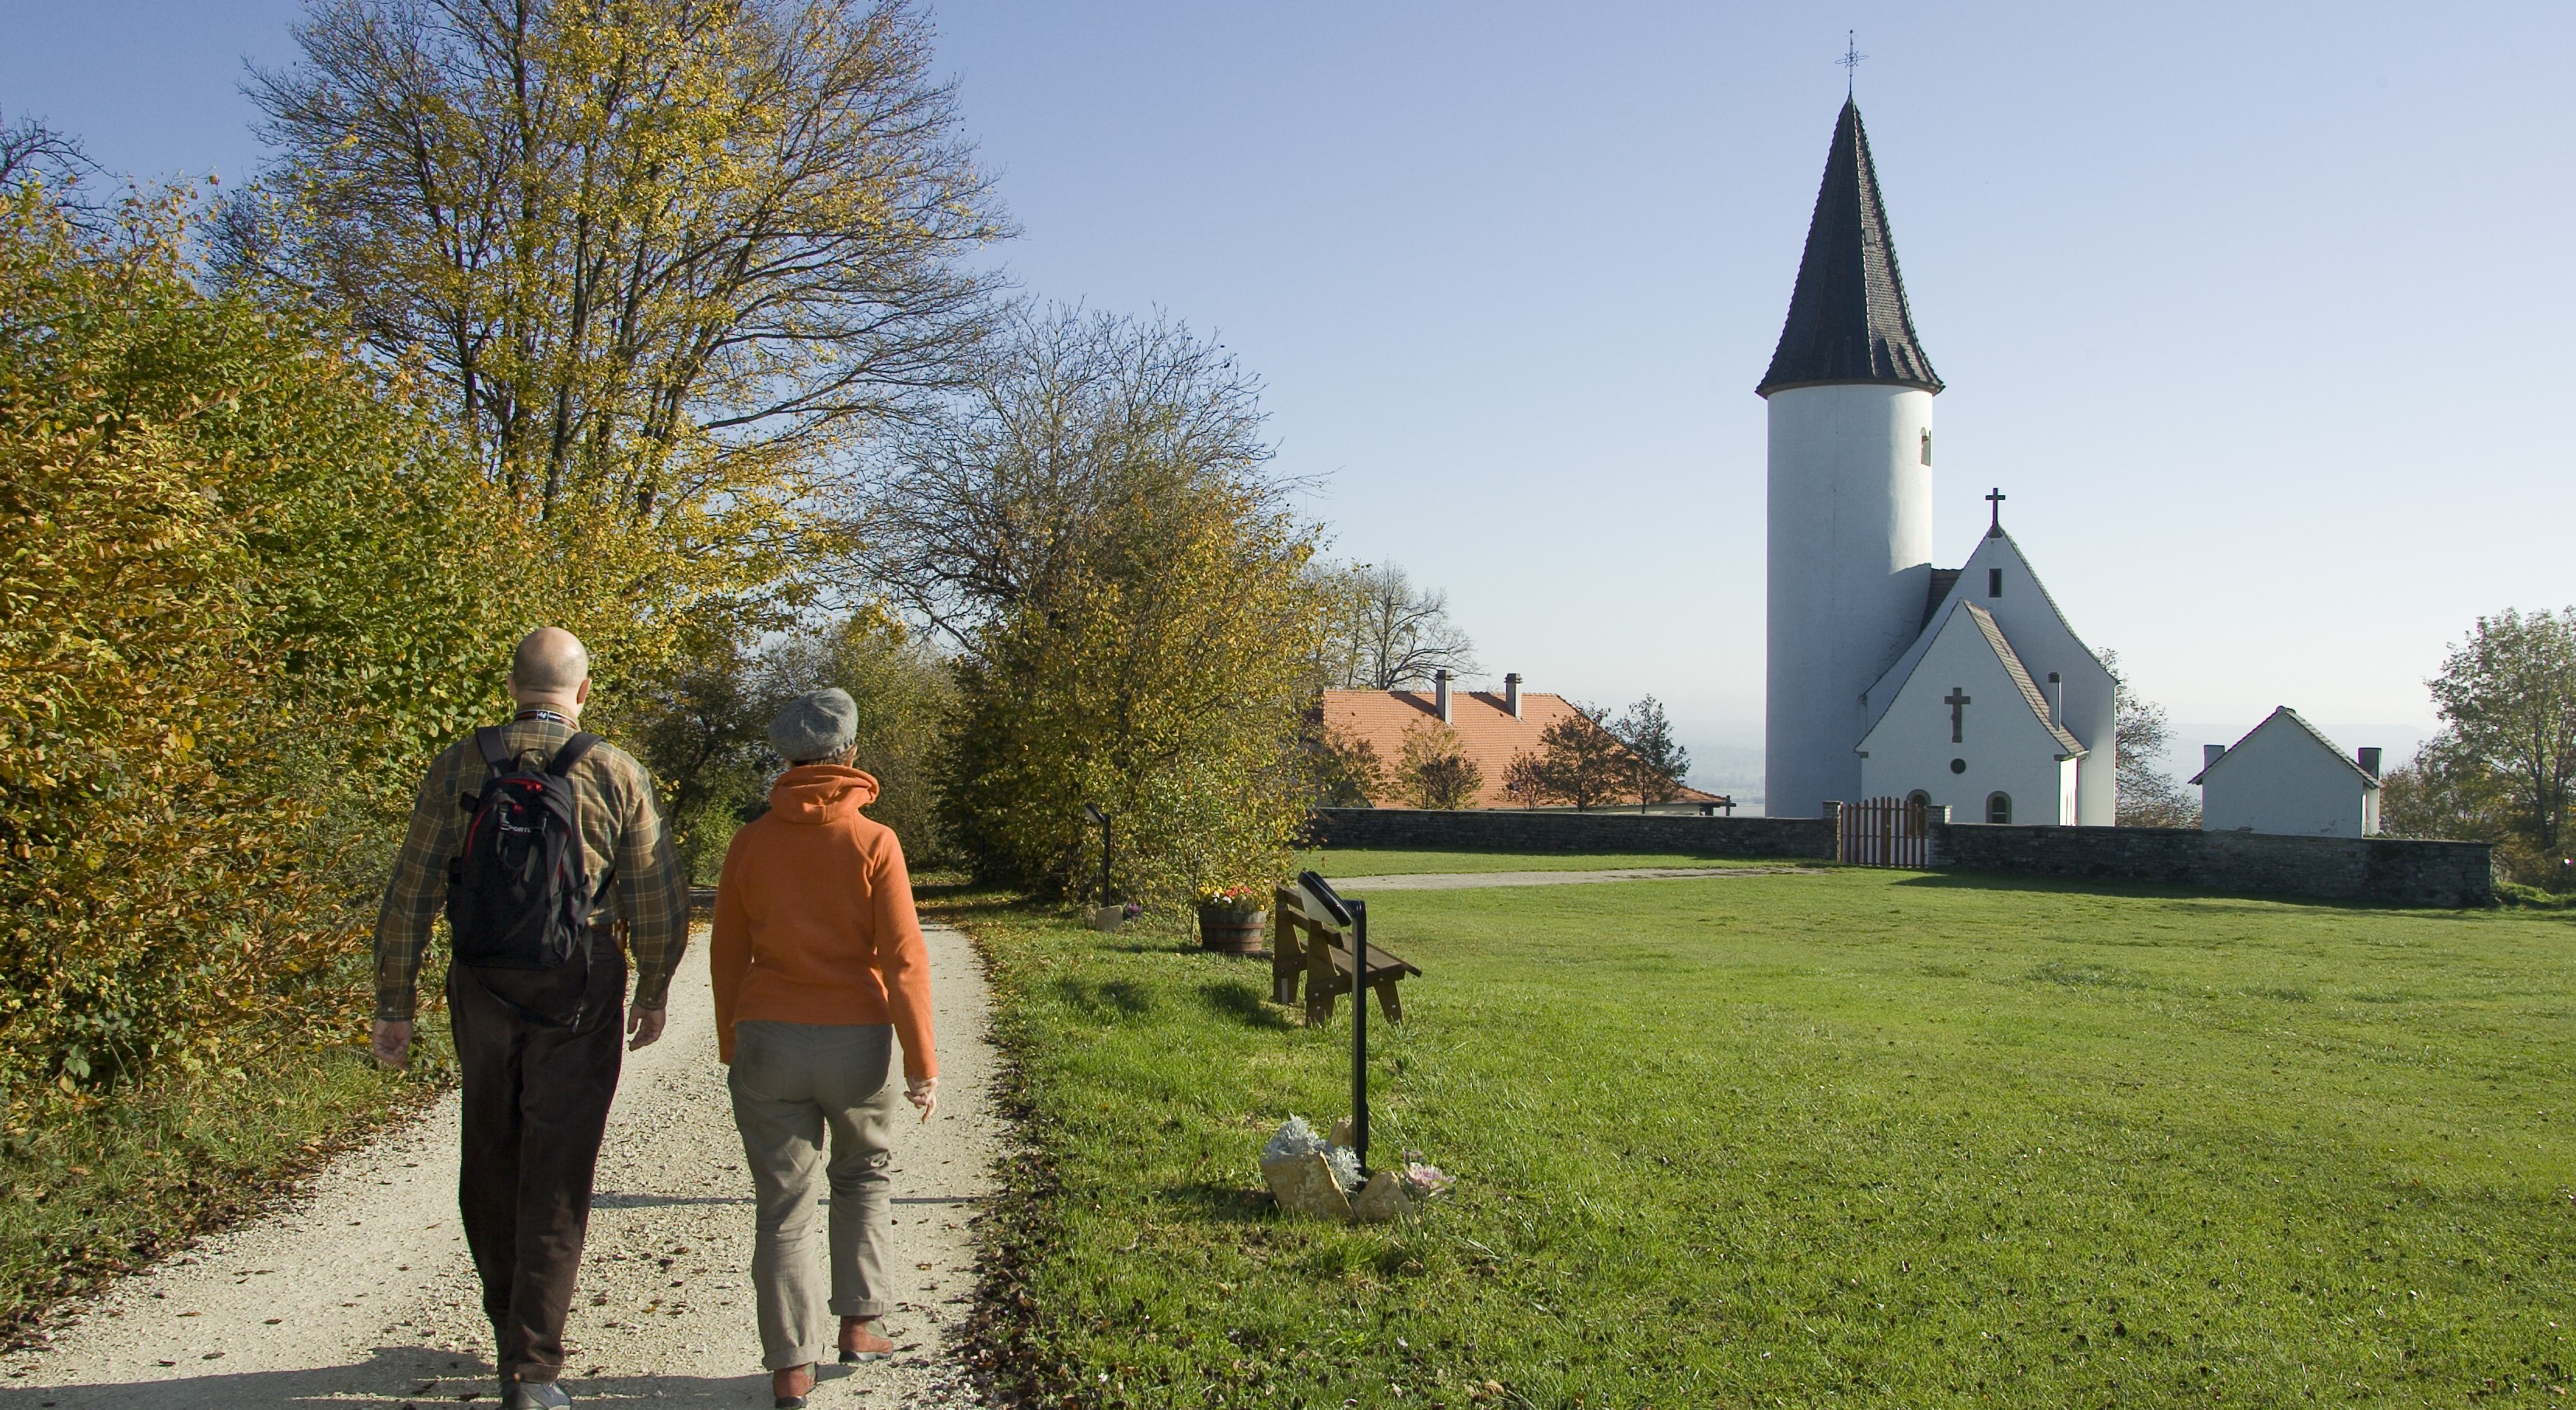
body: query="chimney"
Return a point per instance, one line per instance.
(2057, 705)
(2369, 760)
(1512, 694)
(1440, 693)
(2209, 754)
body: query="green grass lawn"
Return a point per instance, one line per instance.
(1387, 861)
(1858, 1137)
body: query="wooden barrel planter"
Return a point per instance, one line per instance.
(1230, 931)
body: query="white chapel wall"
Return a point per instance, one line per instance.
(2004, 746)
(2045, 642)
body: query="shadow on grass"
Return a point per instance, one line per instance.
(1119, 997)
(2216, 901)
(1231, 1204)
(1251, 1007)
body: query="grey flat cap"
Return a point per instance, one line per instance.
(815, 725)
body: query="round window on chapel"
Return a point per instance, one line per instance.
(1999, 807)
(1958, 766)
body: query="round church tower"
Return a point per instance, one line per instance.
(1850, 395)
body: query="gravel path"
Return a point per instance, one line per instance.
(1468, 880)
(363, 1296)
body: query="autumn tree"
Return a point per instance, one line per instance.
(2445, 792)
(250, 584)
(2140, 735)
(1580, 762)
(659, 259)
(703, 726)
(1434, 771)
(1342, 771)
(1093, 525)
(1658, 762)
(2507, 697)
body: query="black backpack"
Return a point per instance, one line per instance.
(519, 896)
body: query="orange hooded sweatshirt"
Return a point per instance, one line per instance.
(814, 918)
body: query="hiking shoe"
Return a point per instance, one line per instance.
(533, 1395)
(789, 1388)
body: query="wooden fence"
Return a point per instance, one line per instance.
(1886, 832)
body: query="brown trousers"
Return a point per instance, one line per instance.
(535, 1104)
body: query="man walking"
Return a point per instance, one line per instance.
(543, 844)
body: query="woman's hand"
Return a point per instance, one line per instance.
(922, 1092)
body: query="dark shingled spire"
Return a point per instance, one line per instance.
(1848, 321)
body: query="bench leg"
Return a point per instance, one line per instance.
(1387, 1002)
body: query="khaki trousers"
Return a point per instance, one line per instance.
(791, 1083)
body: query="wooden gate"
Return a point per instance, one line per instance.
(1886, 832)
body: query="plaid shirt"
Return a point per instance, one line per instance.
(622, 841)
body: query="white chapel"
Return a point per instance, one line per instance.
(1888, 677)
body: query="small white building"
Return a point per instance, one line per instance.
(1967, 727)
(2285, 776)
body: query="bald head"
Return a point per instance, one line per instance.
(550, 668)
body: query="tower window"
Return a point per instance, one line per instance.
(1927, 447)
(1999, 807)
(1994, 582)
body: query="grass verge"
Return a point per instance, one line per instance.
(1388, 861)
(92, 1186)
(1857, 1137)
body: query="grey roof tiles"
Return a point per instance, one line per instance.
(1848, 321)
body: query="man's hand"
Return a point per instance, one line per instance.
(922, 1092)
(391, 1042)
(644, 1026)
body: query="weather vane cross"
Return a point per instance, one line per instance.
(1851, 60)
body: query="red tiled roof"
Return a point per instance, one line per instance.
(1487, 733)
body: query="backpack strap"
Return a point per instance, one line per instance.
(570, 754)
(496, 750)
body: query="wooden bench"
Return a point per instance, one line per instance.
(1309, 948)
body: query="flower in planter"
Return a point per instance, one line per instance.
(1232, 898)
(1423, 1181)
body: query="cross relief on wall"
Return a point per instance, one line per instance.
(1958, 702)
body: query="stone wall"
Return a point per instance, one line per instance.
(1530, 830)
(2390, 871)
(2394, 871)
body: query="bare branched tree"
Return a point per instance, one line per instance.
(1389, 634)
(633, 238)
(1072, 426)
(32, 151)
(34, 155)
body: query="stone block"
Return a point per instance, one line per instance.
(1381, 1199)
(1304, 1184)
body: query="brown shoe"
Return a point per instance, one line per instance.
(860, 1342)
(791, 1386)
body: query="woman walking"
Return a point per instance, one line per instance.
(819, 967)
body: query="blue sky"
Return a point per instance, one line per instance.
(2255, 312)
